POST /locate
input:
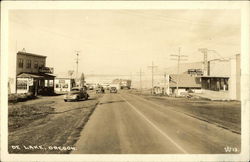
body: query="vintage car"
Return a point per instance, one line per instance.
(113, 90)
(100, 89)
(76, 93)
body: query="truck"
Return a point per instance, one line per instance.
(125, 84)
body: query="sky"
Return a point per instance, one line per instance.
(122, 41)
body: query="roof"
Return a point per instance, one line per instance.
(30, 54)
(28, 75)
(35, 75)
(185, 81)
(214, 76)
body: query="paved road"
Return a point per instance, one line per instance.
(128, 124)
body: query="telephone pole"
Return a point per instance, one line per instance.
(77, 61)
(152, 67)
(205, 62)
(205, 59)
(140, 74)
(179, 56)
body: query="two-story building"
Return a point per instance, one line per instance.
(32, 75)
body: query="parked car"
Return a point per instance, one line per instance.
(113, 90)
(76, 94)
(91, 87)
(100, 90)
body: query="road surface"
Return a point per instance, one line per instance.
(128, 124)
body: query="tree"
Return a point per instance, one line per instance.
(70, 73)
(82, 80)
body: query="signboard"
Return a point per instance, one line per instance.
(22, 84)
(30, 82)
(61, 81)
(195, 71)
(46, 70)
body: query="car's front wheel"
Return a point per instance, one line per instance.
(65, 100)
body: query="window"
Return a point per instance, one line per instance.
(46, 83)
(35, 64)
(42, 64)
(65, 86)
(51, 83)
(20, 63)
(28, 64)
(22, 84)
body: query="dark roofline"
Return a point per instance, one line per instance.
(30, 54)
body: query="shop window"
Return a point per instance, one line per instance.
(46, 83)
(35, 64)
(28, 64)
(20, 63)
(65, 86)
(51, 83)
(22, 84)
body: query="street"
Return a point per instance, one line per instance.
(124, 123)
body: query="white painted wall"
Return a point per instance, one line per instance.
(232, 79)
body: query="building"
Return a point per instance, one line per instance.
(124, 83)
(185, 83)
(32, 75)
(64, 84)
(235, 78)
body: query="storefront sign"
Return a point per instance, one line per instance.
(61, 81)
(22, 83)
(30, 81)
(46, 70)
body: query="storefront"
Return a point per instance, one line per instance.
(41, 83)
(214, 83)
(64, 84)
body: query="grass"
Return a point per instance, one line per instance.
(39, 124)
(224, 113)
(20, 116)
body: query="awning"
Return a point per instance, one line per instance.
(36, 75)
(214, 76)
(28, 75)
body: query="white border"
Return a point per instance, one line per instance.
(242, 5)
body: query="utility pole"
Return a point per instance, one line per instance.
(205, 62)
(152, 69)
(179, 56)
(77, 61)
(205, 59)
(140, 74)
(165, 83)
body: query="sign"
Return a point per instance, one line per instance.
(46, 70)
(195, 71)
(61, 81)
(30, 82)
(22, 84)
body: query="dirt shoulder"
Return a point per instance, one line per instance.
(225, 114)
(48, 124)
